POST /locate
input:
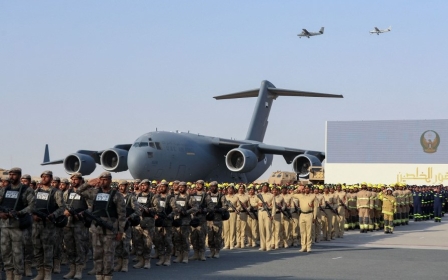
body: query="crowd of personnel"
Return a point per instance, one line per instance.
(59, 221)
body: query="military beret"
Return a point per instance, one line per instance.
(65, 181)
(56, 178)
(122, 182)
(145, 181)
(182, 184)
(16, 170)
(200, 182)
(26, 176)
(176, 182)
(154, 182)
(137, 181)
(105, 174)
(33, 182)
(76, 175)
(163, 182)
(46, 172)
(265, 184)
(4, 178)
(170, 184)
(213, 183)
(284, 187)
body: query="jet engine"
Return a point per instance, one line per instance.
(302, 164)
(115, 160)
(241, 160)
(81, 163)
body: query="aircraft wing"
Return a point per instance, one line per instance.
(94, 154)
(305, 31)
(376, 29)
(288, 153)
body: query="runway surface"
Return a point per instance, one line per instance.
(416, 251)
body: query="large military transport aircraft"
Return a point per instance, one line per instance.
(306, 33)
(161, 155)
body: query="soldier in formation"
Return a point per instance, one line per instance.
(177, 216)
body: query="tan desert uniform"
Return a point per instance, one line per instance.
(295, 230)
(241, 220)
(341, 198)
(309, 211)
(230, 230)
(287, 223)
(252, 233)
(277, 238)
(320, 216)
(364, 204)
(264, 222)
(389, 209)
(329, 217)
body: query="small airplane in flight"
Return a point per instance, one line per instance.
(378, 31)
(185, 156)
(306, 33)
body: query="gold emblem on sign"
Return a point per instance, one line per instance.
(430, 140)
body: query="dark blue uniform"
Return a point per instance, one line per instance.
(417, 200)
(438, 204)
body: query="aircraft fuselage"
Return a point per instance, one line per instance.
(185, 156)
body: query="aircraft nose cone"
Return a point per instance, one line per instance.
(137, 162)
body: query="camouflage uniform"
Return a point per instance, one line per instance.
(184, 206)
(199, 233)
(11, 235)
(163, 239)
(110, 207)
(122, 251)
(49, 201)
(215, 226)
(76, 234)
(145, 231)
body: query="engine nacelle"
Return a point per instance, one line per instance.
(302, 163)
(81, 163)
(241, 160)
(115, 160)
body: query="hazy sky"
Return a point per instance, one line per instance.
(92, 74)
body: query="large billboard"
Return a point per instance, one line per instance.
(408, 151)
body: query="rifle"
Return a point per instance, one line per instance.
(251, 214)
(99, 222)
(10, 212)
(201, 210)
(264, 205)
(230, 204)
(344, 205)
(331, 208)
(43, 217)
(284, 212)
(73, 212)
(323, 211)
(146, 209)
(296, 208)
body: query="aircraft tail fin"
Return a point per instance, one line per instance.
(46, 154)
(390, 28)
(321, 31)
(266, 95)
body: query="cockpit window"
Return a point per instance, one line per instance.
(143, 144)
(158, 145)
(151, 144)
(136, 144)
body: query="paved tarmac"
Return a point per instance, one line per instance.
(416, 251)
